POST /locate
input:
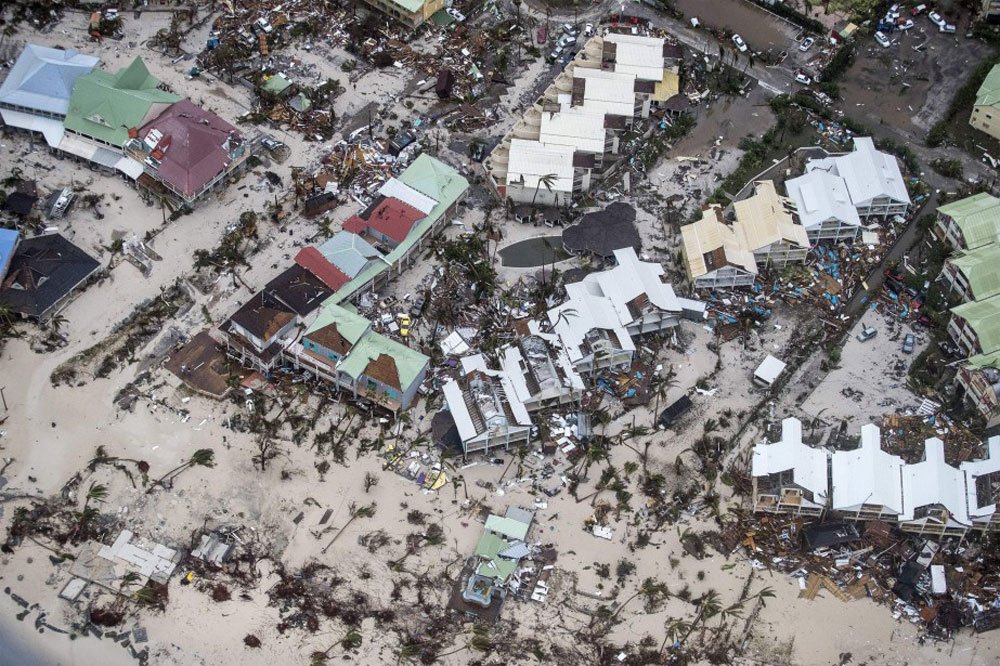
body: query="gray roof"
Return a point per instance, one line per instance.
(43, 78)
(603, 232)
(349, 252)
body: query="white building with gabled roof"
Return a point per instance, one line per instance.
(789, 476)
(873, 179)
(541, 174)
(866, 482)
(982, 486)
(824, 206)
(934, 497)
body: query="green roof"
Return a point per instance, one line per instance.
(409, 362)
(431, 178)
(498, 568)
(989, 92)
(981, 267)
(276, 85)
(984, 318)
(409, 5)
(980, 361)
(977, 216)
(349, 324)
(105, 106)
(490, 545)
(508, 527)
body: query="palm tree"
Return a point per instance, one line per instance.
(548, 180)
(651, 590)
(56, 322)
(200, 458)
(355, 512)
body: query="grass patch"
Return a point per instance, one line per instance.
(954, 128)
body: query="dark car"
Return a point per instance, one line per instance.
(908, 343)
(674, 411)
(417, 308)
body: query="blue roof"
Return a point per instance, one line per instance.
(43, 78)
(349, 252)
(8, 241)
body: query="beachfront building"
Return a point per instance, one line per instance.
(866, 481)
(982, 487)
(569, 138)
(390, 234)
(411, 13)
(187, 153)
(496, 569)
(974, 275)
(789, 476)
(765, 232)
(969, 223)
(39, 275)
(35, 95)
(874, 182)
(605, 310)
(986, 110)
(540, 371)
(934, 495)
(486, 408)
(824, 207)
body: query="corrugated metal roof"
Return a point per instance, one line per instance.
(397, 189)
(975, 468)
(43, 78)
(608, 92)
(766, 218)
(578, 128)
(978, 218)
(708, 235)
(984, 318)
(409, 362)
(349, 252)
(821, 196)
(981, 268)
(867, 475)
(808, 464)
(989, 92)
(868, 173)
(50, 128)
(529, 161)
(934, 482)
(508, 527)
(638, 55)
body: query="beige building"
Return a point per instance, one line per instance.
(408, 12)
(766, 232)
(986, 112)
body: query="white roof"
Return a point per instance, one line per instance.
(976, 468)
(867, 172)
(867, 475)
(454, 345)
(601, 300)
(934, 482)
(576, 127)
(641, 56)
(455, 396)
(528, 161)
(808, 465)
(399, 190)
(459, 410)
(821, 196)
(43, 78)
(769, 369)
(50, 128)
(607, 92)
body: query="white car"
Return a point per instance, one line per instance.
(882, 40)
(936, 19)
(740, 44)
(906, 25)
(455, 14)
(588, 30)
(807, 44)
(566, 40)
(948, 27)
(802, 78)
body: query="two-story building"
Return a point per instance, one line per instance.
(789, 476)
(824, 207)
(873, 179)
(986, 109)
(969, 223)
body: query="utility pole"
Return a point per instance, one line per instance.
(3, 399)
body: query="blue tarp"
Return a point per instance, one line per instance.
(8, 241)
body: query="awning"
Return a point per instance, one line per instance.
(50, 128)
(129, 167)
(76, 146)
(106, 157)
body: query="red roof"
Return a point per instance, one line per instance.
(193, 145)
(390, 217)
(313, 261)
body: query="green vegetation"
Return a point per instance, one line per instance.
(948, 168)
(954, 126)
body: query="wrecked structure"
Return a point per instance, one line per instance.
(496, 563)
(765, 232)
(569, 138)
(411, 13)
(929, 497)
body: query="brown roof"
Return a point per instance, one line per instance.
(262, 316)
(330, 337)
(383, 369)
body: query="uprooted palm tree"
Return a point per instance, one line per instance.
(200, 458)
(96, 493)
(101, 457)
(355, 512)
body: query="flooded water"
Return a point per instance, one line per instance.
(759, 29)
(534, 252)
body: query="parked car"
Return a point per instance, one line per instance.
(417, 308)
(261, 25)
(588, 30)
(882, 39)
(807, 44)
(740, 44)
(918, 10)
(542, 35)
(455, 14)
(570, 30)
(566, 40)
(556, 52)
(906, 25)
(802, 78)
(948, 28)
(908, 343)
(936, 19)
(867, 333)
